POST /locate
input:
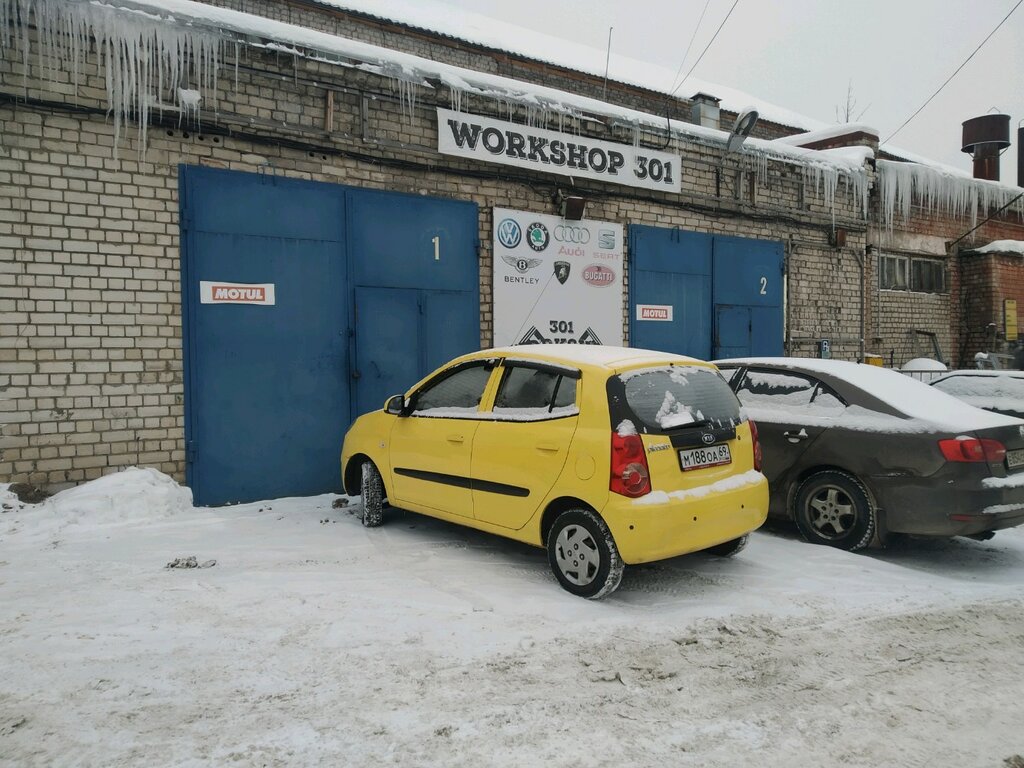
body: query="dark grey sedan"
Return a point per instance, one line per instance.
(997, 391)
(853, 450)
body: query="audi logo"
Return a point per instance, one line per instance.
(707, 438)
(569, 234)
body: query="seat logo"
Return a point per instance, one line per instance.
(606, 239)
(537, 236)
(562, 269)
(707, 438)
(509, 233)
(565, 233)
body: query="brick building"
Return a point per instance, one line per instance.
(227, 229)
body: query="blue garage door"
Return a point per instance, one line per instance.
(725, 293)
(671, 268)
(271, 389)
(416, 271)
(748, 297)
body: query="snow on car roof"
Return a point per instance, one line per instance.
(593, 354)
(907, 395)
(978, 372)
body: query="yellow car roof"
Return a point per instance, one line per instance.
(590, 355)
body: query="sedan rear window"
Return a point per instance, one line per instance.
(679, 396)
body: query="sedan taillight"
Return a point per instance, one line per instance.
(972, 449)
(629, 473)
(757, 444)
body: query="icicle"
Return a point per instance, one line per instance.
(141, 57)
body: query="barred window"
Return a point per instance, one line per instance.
(892, 273)
(928, 276)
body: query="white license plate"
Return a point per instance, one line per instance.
(699, 458)
(1015, 459)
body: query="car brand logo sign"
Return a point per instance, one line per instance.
(537, 236)
(707, 438)
(562, 271)
(509, 233)
(566, 233)
(599, 274)
(606, 239)
(522, 265)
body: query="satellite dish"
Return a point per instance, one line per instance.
(744, 124)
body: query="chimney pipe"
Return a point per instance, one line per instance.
(1020, 156)
(984, 138)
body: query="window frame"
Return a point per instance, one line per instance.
(488, 364)
(912, 268)
(561, 373)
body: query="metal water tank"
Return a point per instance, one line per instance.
(984, 138)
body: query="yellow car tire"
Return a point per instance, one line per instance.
(583, 554)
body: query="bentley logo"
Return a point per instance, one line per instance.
(707, 438)
(562, 271)
(520, 264)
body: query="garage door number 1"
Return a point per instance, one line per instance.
(436, 240)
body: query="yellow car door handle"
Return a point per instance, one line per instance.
(551, 447)
(456, 439)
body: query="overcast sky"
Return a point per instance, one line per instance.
(802, 55)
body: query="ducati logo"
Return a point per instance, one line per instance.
(562, 271)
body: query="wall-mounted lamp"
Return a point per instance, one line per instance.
(744, 124)
(572, 208)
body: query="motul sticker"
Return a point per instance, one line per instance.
(235, 293)
(660, 312)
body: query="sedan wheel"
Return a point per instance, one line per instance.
(834, 508)
(583, 555)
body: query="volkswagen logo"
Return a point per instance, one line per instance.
(707, 438)
(565, 233)
(509, 233)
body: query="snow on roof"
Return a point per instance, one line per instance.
(135, 29)
(591, 354)
(500, 35)
(903, 393)
(824, 134)
(902, 184)
(1002, 246)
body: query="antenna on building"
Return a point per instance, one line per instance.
(607, 58)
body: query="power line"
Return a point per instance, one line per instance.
(891, 135)
(690, 44)
(733, 8)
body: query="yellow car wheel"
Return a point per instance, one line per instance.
(583, 554)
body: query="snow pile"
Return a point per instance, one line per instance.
(902, 185)
(1002, 246)
(133, 495)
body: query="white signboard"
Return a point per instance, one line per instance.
(556, 281)
(211, 292)
(658, 312)
(498, 141)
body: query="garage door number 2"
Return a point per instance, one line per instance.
(764, 285)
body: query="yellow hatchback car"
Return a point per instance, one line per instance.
(604, 455)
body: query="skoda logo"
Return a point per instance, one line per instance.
(509, 233)
(707, 438)
(565, 233)
(537, 236)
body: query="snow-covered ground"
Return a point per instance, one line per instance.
(314, 641)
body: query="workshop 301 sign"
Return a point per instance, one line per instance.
(556, 281)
